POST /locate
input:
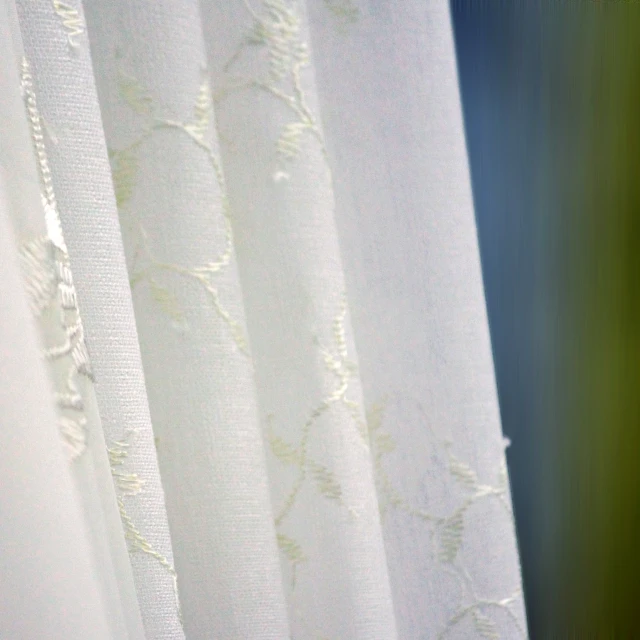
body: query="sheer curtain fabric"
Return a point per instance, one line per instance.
(247, 386)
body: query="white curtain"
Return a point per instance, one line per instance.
(246, 236)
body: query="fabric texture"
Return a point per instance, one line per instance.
(247, 238)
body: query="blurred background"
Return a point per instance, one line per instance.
(551, 98)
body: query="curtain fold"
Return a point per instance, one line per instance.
(32, 210)
(46, 559)
(57, 50)
(46, 555)
(255, 221)
(282, 203)
(404, 212)
(158, 116)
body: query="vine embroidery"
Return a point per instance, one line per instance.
(129, 485)
(343, 370)
(345, 12)
(49, 284)
(71, 21)
(145, 266)
(278, 29)
(446, 531)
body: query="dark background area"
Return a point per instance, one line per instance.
(551, 99)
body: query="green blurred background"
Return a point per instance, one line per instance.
(551, 97)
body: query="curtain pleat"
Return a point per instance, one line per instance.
(322, 488)
(57, 50)
(276, 401)
(404, 212)
(46, 559)
(46, 556)
(175, 219)
(51, 296)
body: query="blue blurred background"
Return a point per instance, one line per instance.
(551, 99)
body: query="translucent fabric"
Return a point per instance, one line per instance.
(247, 239)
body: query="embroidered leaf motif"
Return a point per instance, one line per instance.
(291, 548)
(134, 94)
(451, 536)
(485, 626)
(374, 417)
(167, 300)
(71, 21)
(284, 451)
(327, 482)
(381, 441)
(80, 358)
(74, 435)
(344, 10)
(36, 257)
(288, 144)
(124, 171)
(201, 111)
(384, 442)
(463, 473)
(279, 31)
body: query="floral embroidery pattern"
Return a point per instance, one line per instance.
(129, 485)
(145, 266)
(49, 284)
(71, 21)
(345, 12)
(277, 30)
(343, 370)
(447, 532)
(277, 33)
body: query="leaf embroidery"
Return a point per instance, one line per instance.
(202, 110)
(451, 533)
(71, 21)
(326, 481)
(463, 473)
(278, 30)
(167, 300)
(134, 94)
(485, 626)
(125, 169)
(291, 548)
(124, 172)
(285, 452)
(47, 272)
(345, 11)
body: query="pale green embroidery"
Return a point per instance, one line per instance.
(277, 31)
(145, 266)
(71, 21)
(345, 12)
(277, 28)
(293, 552)
(446, 532)
(129, 485)
(338, 364)
(49, 284)
(485, 626)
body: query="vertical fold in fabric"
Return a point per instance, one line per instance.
(387, 81)
(281, 200)
(31, 206)
(49, 582)
(158, 116)
(56, 47)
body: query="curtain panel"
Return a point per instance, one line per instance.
(247, 388)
